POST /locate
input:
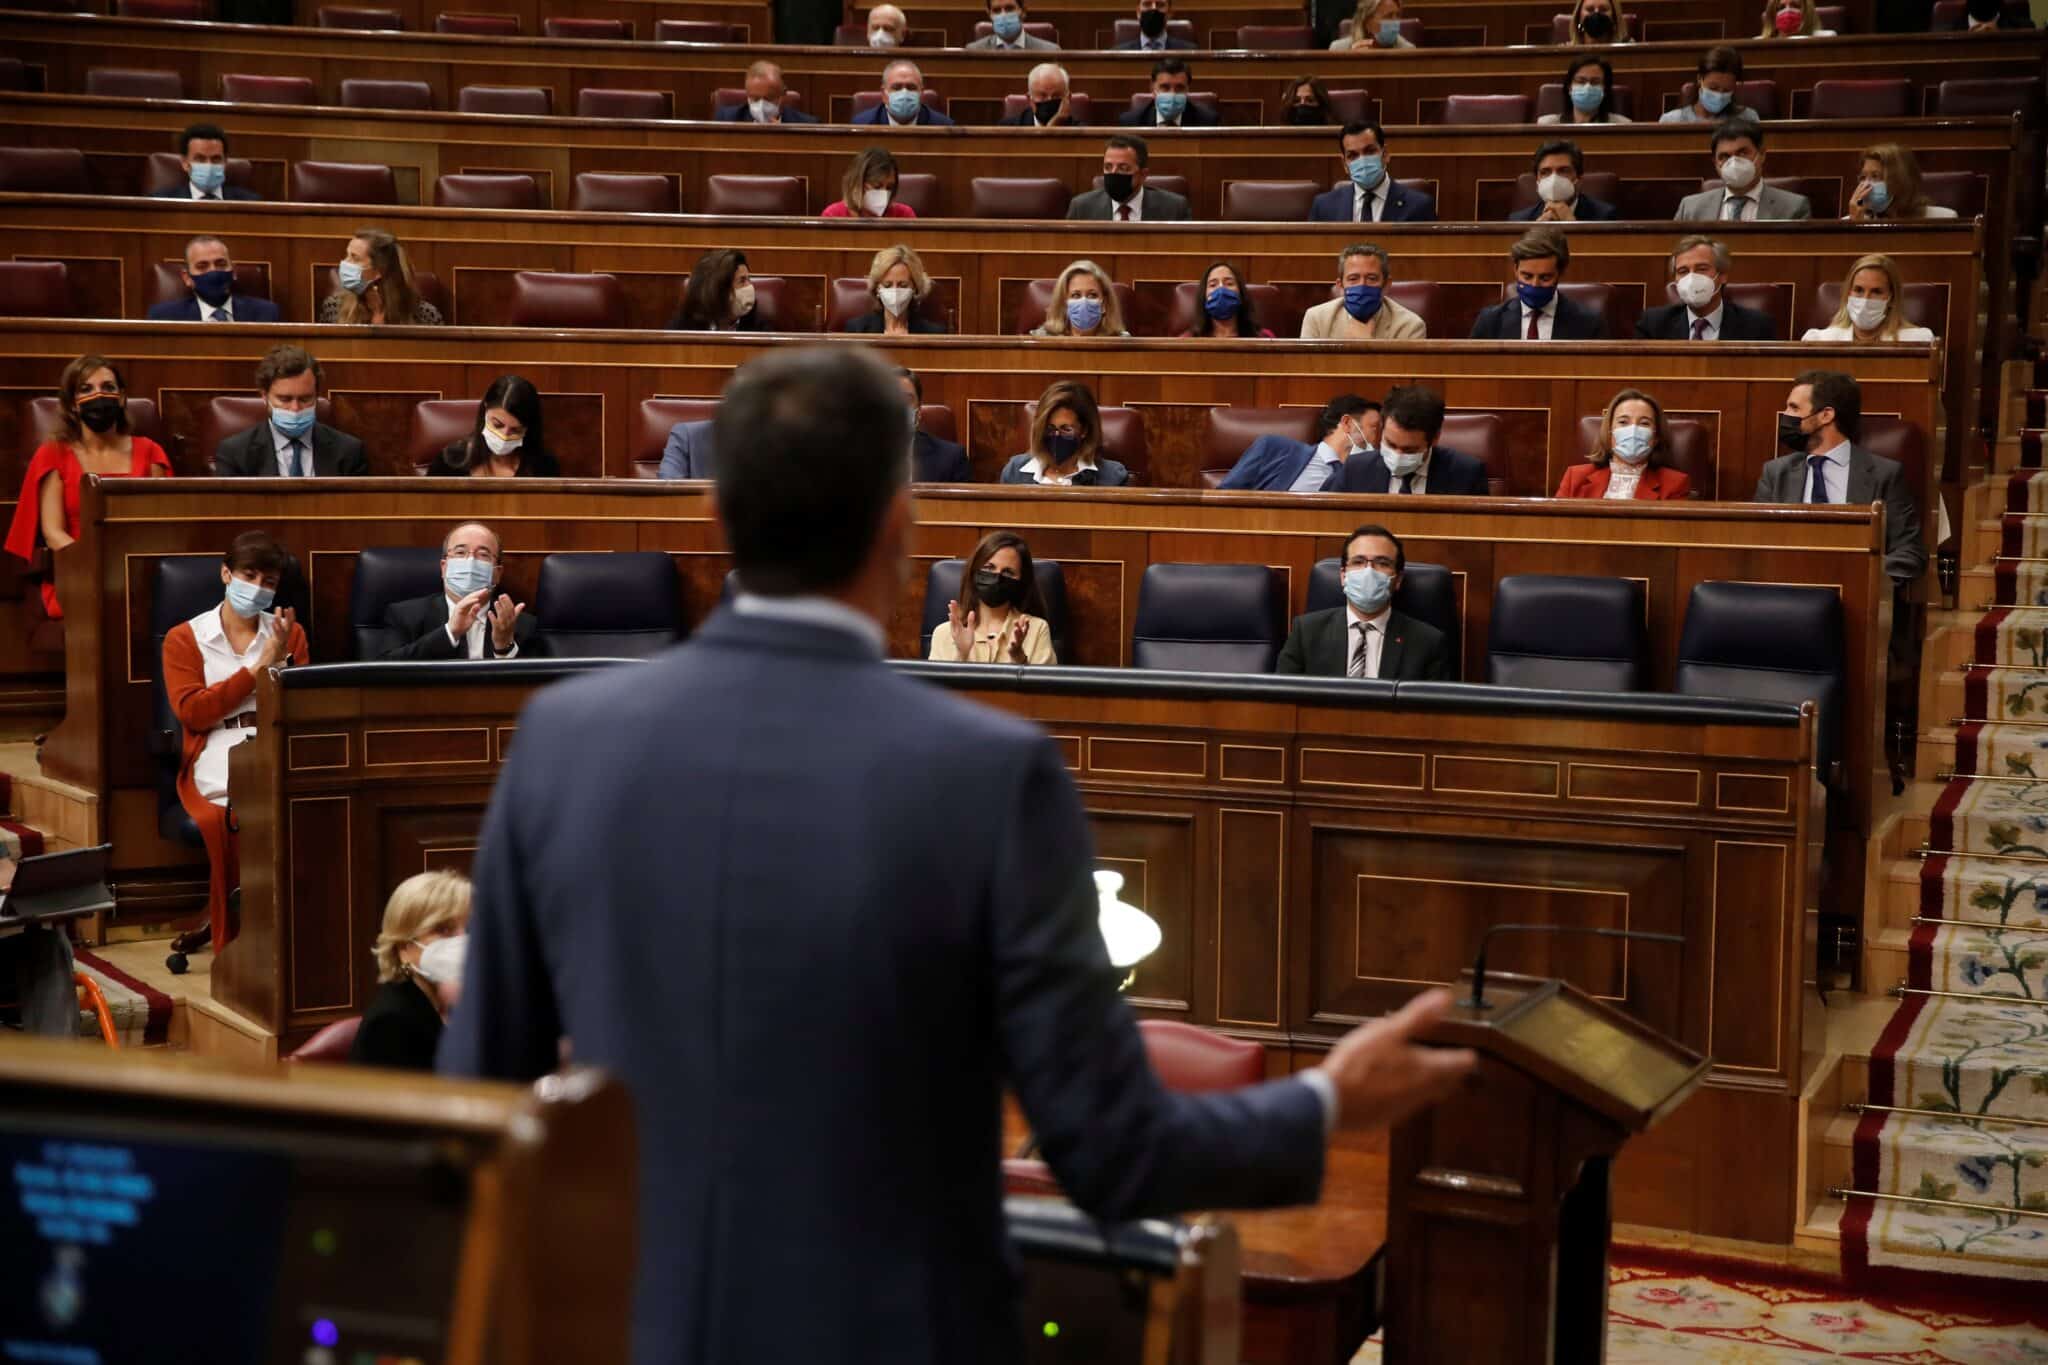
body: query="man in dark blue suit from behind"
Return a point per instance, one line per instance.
(816, 944)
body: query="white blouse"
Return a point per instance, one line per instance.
(1907, 335)
(210, 771)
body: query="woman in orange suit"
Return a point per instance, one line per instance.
(1632, 457)
(211, 664)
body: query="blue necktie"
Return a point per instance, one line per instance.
(1818, 464)
(292, 456)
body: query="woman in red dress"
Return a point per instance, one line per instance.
(95, 439)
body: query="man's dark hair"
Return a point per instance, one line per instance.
(810, 448)
(285, 362)
(1337, 409)
(1131, 142)
(1563, 146)
(1417, 409)
(1725, 60)
(1373, 528)
(257, 551)
(1833, 389)
(201, 132)
(1538, 243)
(1729, 129)
(916, 384)
(1170, 66)
(1361, 125)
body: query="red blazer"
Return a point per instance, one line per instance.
(1590, 481)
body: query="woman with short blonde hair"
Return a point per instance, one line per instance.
(1083, 292)
(424, 907)
(1366, 33)
(898, 287)
(418, 951)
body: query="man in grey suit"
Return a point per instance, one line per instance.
(688, 452)
(293, 443)
(1006, 17)
(1123, 197)
(1742, 196)
(1819, 423)
(816, 946)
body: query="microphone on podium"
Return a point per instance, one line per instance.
(1477, 1000)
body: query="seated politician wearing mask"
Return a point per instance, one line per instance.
(468, 618)
(1632, 456)
(1066, 441)
(1366, 637)
(419, 953)
(999, 616)
(1408, 459)
(1349, 425)
(509, 440)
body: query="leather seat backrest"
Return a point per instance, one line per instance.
(167, 285)
(1484, 437)
(608, 192)
(651, 428)
(1424, 299)
(240, 88)
(1468, 111)
(357, 93)
(1038, 298)
(123, 82)
(1883, 98)
(942, 585)
(1767, 642)
(1563, 631)
(1963, 191)
(1011, 197)
(644, 104)
(349, 16)
(758, 196)
(227, 413)
(493, 25)
(609, 606)
(487, 192)
(1268, 201)
(1955, 14)
(698, 31)
(35, 289)
(1894, 438)
(1428, 592)
(436, 424)
(185, 585)
(385, 575)
(45, 170)
(1925, 305)
(608, 30)
(1275, 37)
(1209, 618)
(936, 420)
(331, 1045)
(342, 182)
(1349, 105)
(1995, 96)
(1191, 1060)
(921, 191)
(1228, 432)
(505, 99)
(45, 419)
(543, 298)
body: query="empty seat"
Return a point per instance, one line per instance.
(1209, 618)
(342, 182)
(1275, 37)
(1767, 642)
(616, 30)
(605, 192)
(1038, 298)
(1465, 111)
(44, 170)
(595, 103)
(368, 94)
(1349, 105)
(166, 284)
(1268, 201)
(1619, 308)
(1428, 592)
(1862, 99)
(942, 585)
(608, 606)
(487, 192)
(124, 82)
(1833, 18)
(436, 424)
(1949, 15)
(551, 299)
(1563, 631)
(920, 191)
(386, 575)
(755, 195)
(651, 428)
(991, 196)
(163, 9)
(1484, 437)
(1995, 96)
(494, 25)
(504, 99)
(698, 31)
(349, 16)
(1963, 191)
(240, 88)
(35, 289)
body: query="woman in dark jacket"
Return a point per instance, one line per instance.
(507, 442)
(402, 1026)
(899, 286)
(719, 296)
(1066, 444)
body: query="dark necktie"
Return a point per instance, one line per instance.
(1358, 658)
(219, 315)
(1818, 465)
(1407, 483)
(293, 452)
(1123, 213)
(1699, 329)
(1732, 212)
(1534, 318)
(1365, 198)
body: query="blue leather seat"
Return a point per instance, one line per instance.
(1209, 618)
(1561, 631)
(185, 586)
(1767, 642)
(386, 574)
(1428, 592)
(942, 585)
(609, 606)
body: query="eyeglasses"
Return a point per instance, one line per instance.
(1384, 563)
(464, 552)
(1072, 431)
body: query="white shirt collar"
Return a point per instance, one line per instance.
(1036, 468)
(207, 310)
(812, 610)
(1548, 310)
(1135, 204)
(1378, 622)
(198, 193)
(1713, 318)
(1325, 453)
(209, 633)
(1837, 454)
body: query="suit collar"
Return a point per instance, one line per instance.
(1862, 482)
(733, 629)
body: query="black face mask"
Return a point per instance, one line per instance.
(996, 590)
(1598, 27)
(1152, 22)
(1304, 114)
(1118, 185)
(1045, 111)
(1790, 435)
(1062, 448)
(100, 414)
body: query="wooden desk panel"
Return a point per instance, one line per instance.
(756, 16)
(1509, 22)
(1255, 881)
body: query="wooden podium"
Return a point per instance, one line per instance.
(1497, 1199)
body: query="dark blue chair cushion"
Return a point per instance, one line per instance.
(1428, 592)
(609, 606)
(386, 574)
(185, 586)
(942, 585)
(1209, 618)
(1767, 642)
(1564, 631)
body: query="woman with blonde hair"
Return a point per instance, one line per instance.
(898, 287)
(419, 980)
(377, 286)
(1598, 23)
(869, 189)
(1792, 19)
(1083, 305)
(1888, 188)
(1375, 25)
(1631, 458)
(1872, 311)
(1066, 443)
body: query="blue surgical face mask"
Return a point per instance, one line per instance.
(465, 576)
(1362, 300)
(1222, 303)
(1008, 25)
(1368, 590)
(1536, 297)
(1084, 315)
(350, 276)
(293, 421)
(1586, 98)
(209, 176)
(903, 105)
(1631, 444)
(1389, 32)
(1367, 171)
(249, 600)
(1171, 105)
(214, 286)
(1880, 197)
(1714, 101)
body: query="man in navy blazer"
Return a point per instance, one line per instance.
(1538, 309)
(1274, 464)
(1372, 196)
(203, 154)
(820, 955)
(903, 88)
(765, 89)
(209, 277)
(1559, 166)
(931, 459)
(1171, 106)
(1408, 459)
